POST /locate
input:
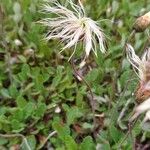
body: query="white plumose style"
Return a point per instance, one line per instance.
(142, 68)
(140, 65)
(72, 26)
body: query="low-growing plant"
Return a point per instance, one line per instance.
(88, 103)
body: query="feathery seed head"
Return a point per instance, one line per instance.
(143, 107)
(72, 26)
(142, 69)
(141, 66)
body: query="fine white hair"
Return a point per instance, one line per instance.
(72, 26)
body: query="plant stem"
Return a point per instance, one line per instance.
(17, 135)
(5, 46)
(77, 74)
(43, 143)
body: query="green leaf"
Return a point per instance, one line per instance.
(3, 141)
(41, 108)
(62, 130)
(18, 115)
(21, 102)
(87, 125)
(94, 75)
(70, 143)
(25, 70)
(29, 109)
(87, 144)
(105, 147)
(22, 58)
(137, 129)
(58, 76)
(17, 126)
(39, 82)
(115, 134)
(13, 91)
(72, 114)
(5, 93)
(31, 141)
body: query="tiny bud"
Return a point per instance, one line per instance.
(17, 42)
(142, 23)
(109, 9)
(57, 110)
(28, 52)
(120, 23)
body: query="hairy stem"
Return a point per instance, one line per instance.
(92, 101)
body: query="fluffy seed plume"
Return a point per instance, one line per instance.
(141, 65)
(72, 26)
(142, 68)
(143, 107)
(147, 116)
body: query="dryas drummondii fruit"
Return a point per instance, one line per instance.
(142, 23)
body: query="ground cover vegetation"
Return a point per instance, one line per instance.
(44, 104)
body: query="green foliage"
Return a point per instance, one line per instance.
(87, 143)
(72, 114)
(36, 80)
